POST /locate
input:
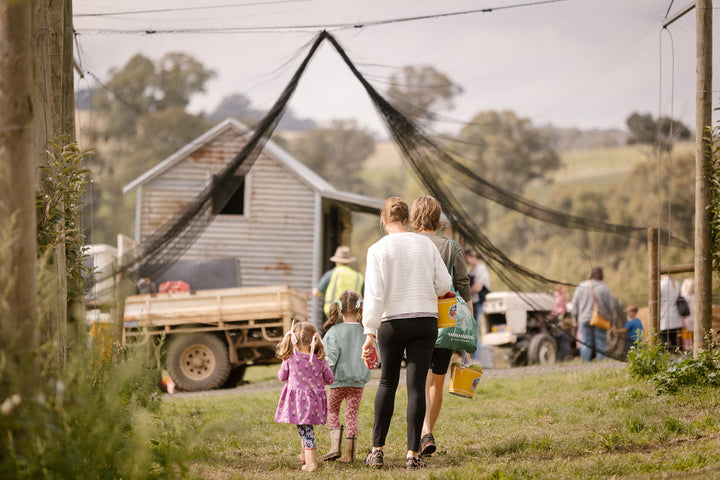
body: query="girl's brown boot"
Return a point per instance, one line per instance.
(311, 464)
(349, 455)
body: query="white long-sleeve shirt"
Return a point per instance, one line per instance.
(404, 276)
(669, 293)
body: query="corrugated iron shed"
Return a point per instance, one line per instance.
(287, 221)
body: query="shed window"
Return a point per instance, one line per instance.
(236, 204)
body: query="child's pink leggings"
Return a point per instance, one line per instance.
(352, 397)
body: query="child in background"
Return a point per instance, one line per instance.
(303, 401)
(633, 327)
(565, 332)
(343, 344)
(560, 300)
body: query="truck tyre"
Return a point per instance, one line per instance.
(542, 349)
(198, 361)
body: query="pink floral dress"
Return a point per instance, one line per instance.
(303, 400)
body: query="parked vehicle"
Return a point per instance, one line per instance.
(207, 334)
(517, 323)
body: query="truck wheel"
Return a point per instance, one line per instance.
(198, 361)
(542, 349)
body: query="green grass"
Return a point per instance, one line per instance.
(565, 425)
(260, 373)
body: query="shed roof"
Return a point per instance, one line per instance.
(305, 174)
(309, 176)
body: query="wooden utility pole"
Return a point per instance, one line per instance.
(18, 305)
(703, 119)
(49, 41)
(68, 78)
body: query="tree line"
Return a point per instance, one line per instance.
(143, 118)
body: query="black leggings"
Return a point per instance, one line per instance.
(414, 337)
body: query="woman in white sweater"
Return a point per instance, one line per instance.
(404, 277)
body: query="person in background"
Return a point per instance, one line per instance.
(404, 277)
(670, 320)
(426, 219)
(633, 327)
(303, 401)
(565, 332)
(479, 280)
(594, 339)
(687, 290)
(344, 339)
(338, 279)
(479, 288)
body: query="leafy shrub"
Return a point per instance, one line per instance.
(688, 372)
(82, 424)
(60, 206)
(78, 422)
(713, 168)
(647, 359)
(669, 374)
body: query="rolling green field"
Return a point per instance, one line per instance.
(576, 423)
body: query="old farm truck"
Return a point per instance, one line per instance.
(207, 336)
(209, 333)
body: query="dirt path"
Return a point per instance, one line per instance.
(273, 385)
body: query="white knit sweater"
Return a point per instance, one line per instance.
(404, 275)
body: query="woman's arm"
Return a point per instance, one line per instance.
(442, 280)
(374, 294)
(461, 281)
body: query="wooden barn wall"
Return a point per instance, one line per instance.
(273, 241)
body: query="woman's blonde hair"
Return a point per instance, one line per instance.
(425, 214)
(304, 332)
(687, 287)
(395, 209)
(349, 301)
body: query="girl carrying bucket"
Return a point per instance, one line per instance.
(343, 344)
(303, 401)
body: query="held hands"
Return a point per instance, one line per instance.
(368, 346)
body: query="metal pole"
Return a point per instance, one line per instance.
(653, 279)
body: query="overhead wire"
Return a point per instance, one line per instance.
(184, 9)
(306, 27)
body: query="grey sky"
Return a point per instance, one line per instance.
(573, 63)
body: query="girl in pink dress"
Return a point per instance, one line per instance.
(303, 401)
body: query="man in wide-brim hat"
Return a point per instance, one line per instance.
(338, 279)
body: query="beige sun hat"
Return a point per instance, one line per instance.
(342, 255)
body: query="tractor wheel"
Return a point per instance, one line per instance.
(542, 349)
(198, 361)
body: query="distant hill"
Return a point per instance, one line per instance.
(581, 152)
(565, 139)
(235, 106)
(238, 106)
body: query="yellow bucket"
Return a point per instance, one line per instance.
(464, 380)
(447, 312)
